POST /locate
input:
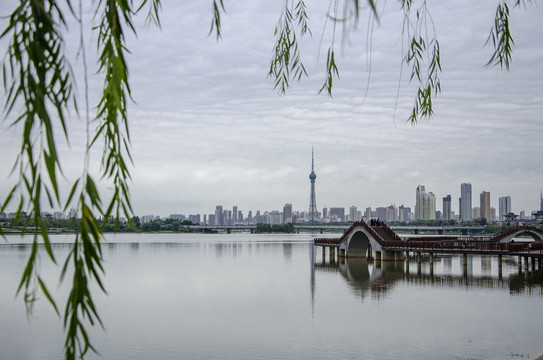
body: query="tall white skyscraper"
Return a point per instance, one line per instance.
(425, 206)
(465, 202)
(504, 206)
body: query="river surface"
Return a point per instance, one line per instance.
(243, 296)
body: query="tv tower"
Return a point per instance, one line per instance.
(313, 214)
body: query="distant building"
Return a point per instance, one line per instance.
(425, 206)
(504, 207)
(447, 207)
(367, 213)
(147, 218)
(219, 220)
(476, 213)
(381, 213)
(275, 217)
(465, 202)
(353, 214)
(485, 206)
(195, 219)
(178, 217)
(234, 215)
(392, 213)
(324, 213)
(403, 213)
(287, 213)
(338, 212)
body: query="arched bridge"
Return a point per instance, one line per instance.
(507, 235)
(377, 238)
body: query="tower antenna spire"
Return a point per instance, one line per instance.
(313, 213)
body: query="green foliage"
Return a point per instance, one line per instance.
(286, 63)
(501, 36)
(216, 22)
(423, 48)
(275, 228)
(331, 72)
(37, 79)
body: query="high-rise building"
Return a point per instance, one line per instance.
(403, 213)
(476, 213)
(367, 213)
(485, 206)
(381, 213)
(313, 214)
(421, 190)
(219, 215)
(447, 209)
(425, 206)
(275, 218)
(234, 215)
(504, 207)
(392, 213)
(541, 200)
(337, 212)
(287, 213)
(353, 214)
(465, 202)
(324, 213)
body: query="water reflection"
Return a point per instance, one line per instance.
(376, 279)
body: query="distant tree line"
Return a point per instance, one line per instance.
(275, 228)
(71, 225)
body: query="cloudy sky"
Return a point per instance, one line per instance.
(208, 128)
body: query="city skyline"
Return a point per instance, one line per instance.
(208, 128)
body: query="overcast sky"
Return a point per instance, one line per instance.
(207, 128)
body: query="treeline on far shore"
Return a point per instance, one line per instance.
(171, 225)
(134, 225)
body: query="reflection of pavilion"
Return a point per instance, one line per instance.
(376, 278)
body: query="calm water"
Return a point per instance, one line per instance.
(243, 296)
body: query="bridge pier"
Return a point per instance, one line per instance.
(332, 254)
(342, 253)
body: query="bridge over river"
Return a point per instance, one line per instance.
(377, 240)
